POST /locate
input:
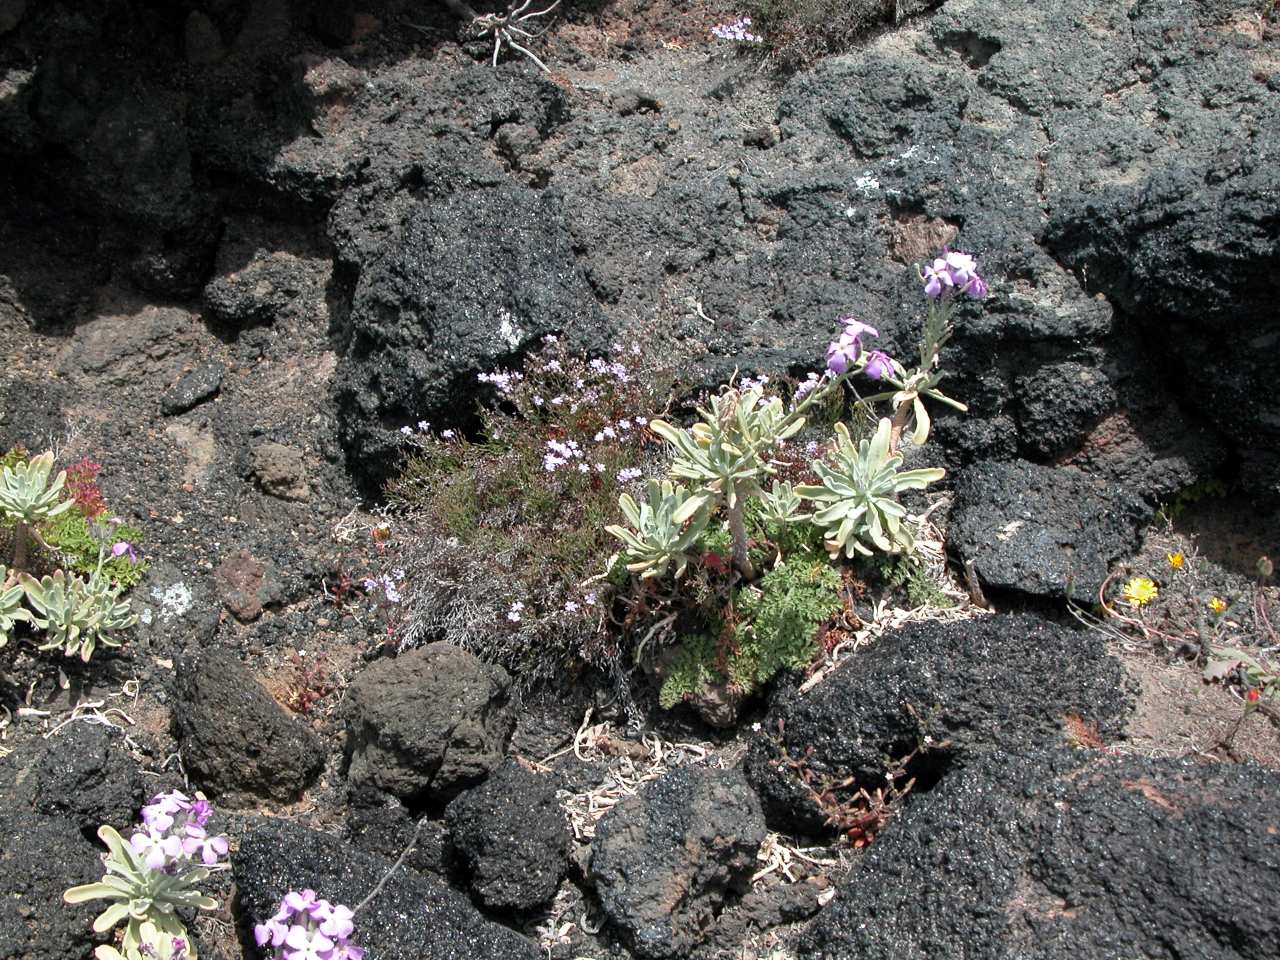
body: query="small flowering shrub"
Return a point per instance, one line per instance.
(306, 927)
(154, 874)
(799, 32)
(502, 535)
(739, 31)
(56, 512)
(741, 473)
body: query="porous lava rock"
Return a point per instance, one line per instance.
(193, 388)
(413, 917)
(1060, 855)
(473, 283)
(949, 690)
(511, 835)
(237, 743)
(281, 471)
(40, 858)
(86, 776)
(1042, 531)
(426, 725)
(666, 861)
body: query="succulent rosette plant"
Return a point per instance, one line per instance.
(154, 874)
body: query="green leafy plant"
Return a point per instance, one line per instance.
(28, 496)
(857, 502)
(77, 614)
(663, 528)
(774, 627)
(11, 609)
(140, 894)
(82, 544)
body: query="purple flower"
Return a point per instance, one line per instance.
(954, 271)
(338, 924)
(857, 329)
(878, 364)
(273, 932)
(122, 547)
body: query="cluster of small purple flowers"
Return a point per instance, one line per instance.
(173, 831)
(308, 928)
(736, 31)
(386, 585)
(843, 352)
(504, 381)
(953, 272)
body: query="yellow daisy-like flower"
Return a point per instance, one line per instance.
(1176, 560)
(1217, 604)
(1139, 591)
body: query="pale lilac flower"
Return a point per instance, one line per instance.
(843, 352)
(878, 365)
(599, 468)
(550, 462)
(538, 401)
(736, 31)
(624, 424)
(423, 426)
(627, 474)
(807, 386)
(305, 944)
(590, 599)
(514, 613)
(407, 430)
(122, 547)
(584, 468)
(339, 923)
(570, 606)
(447, 434)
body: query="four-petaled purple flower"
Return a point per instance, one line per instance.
(173, 831)
(952, 272)
(878, 365)
(308, 928)
(843, 352)
(122, 547)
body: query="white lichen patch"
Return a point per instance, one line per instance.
(509, 331)
(173, 600)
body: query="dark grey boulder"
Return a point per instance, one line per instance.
(1175, 219)
(42, 856)
(238, 744)
(86, 775)
(1042, 531)
(414, 917)
(666, 861)
(1054, 855)
(471, 284)
(428, 724)
(950, 690)
(1059, 403)
(379, 823)
(193, 388)
(512, 837)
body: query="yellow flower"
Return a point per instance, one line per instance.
(1217, 604)
(1139, 591)
(1176, 560)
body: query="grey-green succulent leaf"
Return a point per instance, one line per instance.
(663, 528)
(856, 505)
(781, 504)
(11, 608)
(76, 615)
(27, 494)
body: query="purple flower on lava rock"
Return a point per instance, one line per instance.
(843, 352)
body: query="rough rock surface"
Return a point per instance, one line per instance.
(246, 585)
(1053, 855)
(193, 389)
(85, 776)
(414, 917)
(664, 862)
(512, 837)
(1042, 531)
(429, 723)
(379, 823)
(281, 471)
(53, 798)
(237, 743)
(958, 689)
(473, 283)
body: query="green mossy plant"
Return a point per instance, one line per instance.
(80, 543)
(911, 577)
